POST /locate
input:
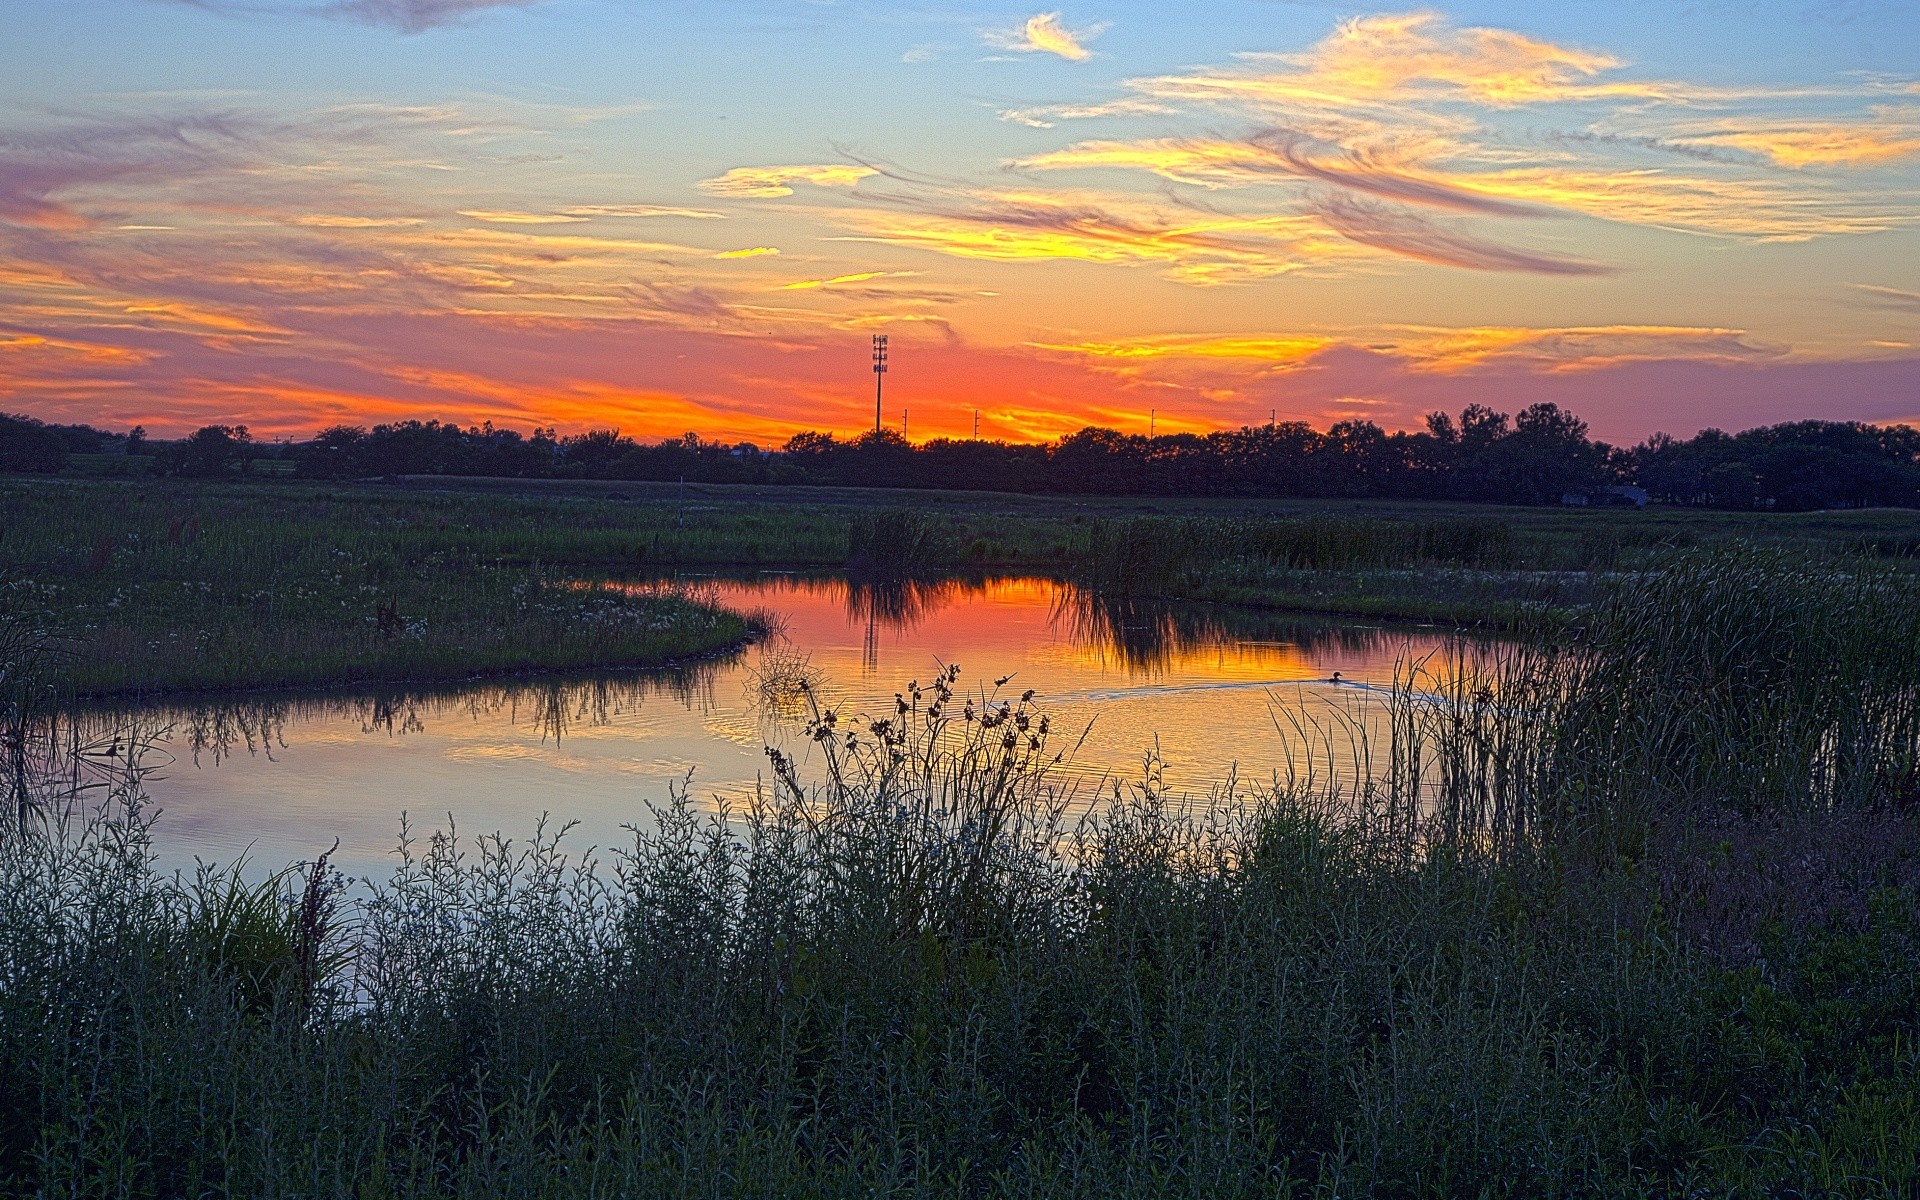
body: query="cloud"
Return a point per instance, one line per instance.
(39, 167)
(1760, 209)
(1253, 348)
(1445, 350)
(417, 16)
(1044, 116)
(518, 218)
(1402, 232)
(1894, 134)
(770, 182)
(1043, 33)
(1886, 297)
(642, 210)
(329, 221)
(1380, 60)
(748, 252)
(1572, 348)
(855, 277)
(1273, 155)
(1201, 248)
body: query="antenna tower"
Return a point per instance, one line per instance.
(879, 374)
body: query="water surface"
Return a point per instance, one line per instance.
(1206, 689)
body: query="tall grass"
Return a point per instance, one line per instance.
(1736, 679)
(1159, 554)
(164, 588)
(898, 541)
(899, 970)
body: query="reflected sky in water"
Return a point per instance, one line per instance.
(1212, 688)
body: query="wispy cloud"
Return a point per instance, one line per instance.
(1195, 247)
(1273, 155)
(1043, 33)
(500, 217)
(417, 16)
(1409, 108)
(1894, 298)
(749, 252)
(854, 277)
(1371, 62)
(642, 210)
(771, 182)
(1890, 135)
(1400, 231)
(41, 170)
(1448, 349)
(1044, 116)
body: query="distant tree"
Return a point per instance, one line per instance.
(1731, 485)
(212, 450)
(29, 445)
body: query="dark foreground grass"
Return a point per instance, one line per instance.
(1532, 957)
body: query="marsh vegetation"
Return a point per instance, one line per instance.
(171, 584)
(1630, 910)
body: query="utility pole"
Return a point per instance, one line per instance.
(879, 374)
(903, 422)
(976, 424)
(1153, 417)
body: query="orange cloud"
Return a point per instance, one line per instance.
(1893, 135)
(1441, 350)
(1259, 349)
(1202, 248)
(855, 277)
(1043, 33)
(770, 182)
(1374, 61)
(519, 218)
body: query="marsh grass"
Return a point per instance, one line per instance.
(900, 969)
(1158, 555)
(169, 584)
(898, 541)
(160, 591)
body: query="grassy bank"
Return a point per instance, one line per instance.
(155, 588)
(175, 584)
(1564, 945)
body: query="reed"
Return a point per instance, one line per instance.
(898, 541)
(1163, 555)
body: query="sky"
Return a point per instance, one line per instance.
(672, 217)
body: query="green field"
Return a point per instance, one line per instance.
(175, 584)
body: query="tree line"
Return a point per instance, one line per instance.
(1541, 455)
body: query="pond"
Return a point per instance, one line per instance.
(1204, 689)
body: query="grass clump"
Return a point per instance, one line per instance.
(1173, 555)
(898, 541)
(901, 969)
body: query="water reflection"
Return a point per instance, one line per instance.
(208, 730)
(1200, 686)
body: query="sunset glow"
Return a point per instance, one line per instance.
(608, 213)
